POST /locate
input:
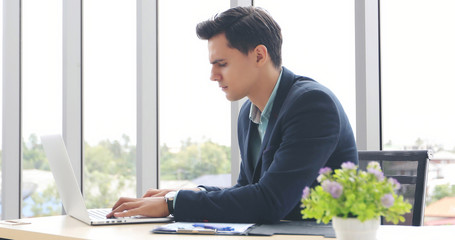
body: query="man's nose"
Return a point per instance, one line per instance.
(214, 76)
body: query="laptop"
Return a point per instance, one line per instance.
(69, 190)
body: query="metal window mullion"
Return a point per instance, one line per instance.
(72, 85)
(147, 157)
(368, 101)
(11, 138)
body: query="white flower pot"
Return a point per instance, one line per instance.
(354, 229)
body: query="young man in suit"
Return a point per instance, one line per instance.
(289, 128)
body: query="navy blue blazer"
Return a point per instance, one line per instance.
(307, 130)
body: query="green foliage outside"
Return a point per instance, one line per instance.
(33, 155)
(110, 169)
(442, 191)
(46, 203)
(193, 160)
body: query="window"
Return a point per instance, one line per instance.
(109, 76)
(41, 102)
(194, 115)
(319, 42)
(417, 59)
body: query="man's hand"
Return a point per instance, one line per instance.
(152, 204)
(149, 207)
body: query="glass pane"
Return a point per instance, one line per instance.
(405, 172)
(109, 41)
(400, 168)
(319, 43)
(417, 59)
(41, 102)
(194, 116)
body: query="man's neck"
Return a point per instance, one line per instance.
(266, 83)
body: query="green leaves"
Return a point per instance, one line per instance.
(366, 195)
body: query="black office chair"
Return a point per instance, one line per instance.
(410, 169)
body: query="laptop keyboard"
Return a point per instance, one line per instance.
(98, 213)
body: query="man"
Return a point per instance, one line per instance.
(289, 128)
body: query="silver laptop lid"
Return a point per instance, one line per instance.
(64, 176)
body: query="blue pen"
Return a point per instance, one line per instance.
(213, 227)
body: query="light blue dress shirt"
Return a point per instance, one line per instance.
(262, 119)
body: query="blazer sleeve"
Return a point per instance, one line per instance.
(302, 141)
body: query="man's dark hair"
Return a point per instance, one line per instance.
(245, 28)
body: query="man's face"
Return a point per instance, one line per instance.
(235, 72)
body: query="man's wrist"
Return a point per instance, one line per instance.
(170, 201)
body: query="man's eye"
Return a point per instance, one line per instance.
(222, 64)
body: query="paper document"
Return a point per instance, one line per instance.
(204, 228)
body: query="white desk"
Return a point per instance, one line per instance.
(64, 227)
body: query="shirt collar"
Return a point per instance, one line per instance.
(255, 114)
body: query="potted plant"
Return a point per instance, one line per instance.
(354, 200)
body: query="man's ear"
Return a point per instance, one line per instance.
(261, 54)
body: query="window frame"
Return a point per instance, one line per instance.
(147, 97)
(368, 79)
(11, 112)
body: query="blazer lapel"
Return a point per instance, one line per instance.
(287, 79)
(246, 144)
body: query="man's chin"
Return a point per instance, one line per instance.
(233, 99)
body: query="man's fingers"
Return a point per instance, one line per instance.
(123, 200)
(151, 207)
(125, 209)
(128, 213)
